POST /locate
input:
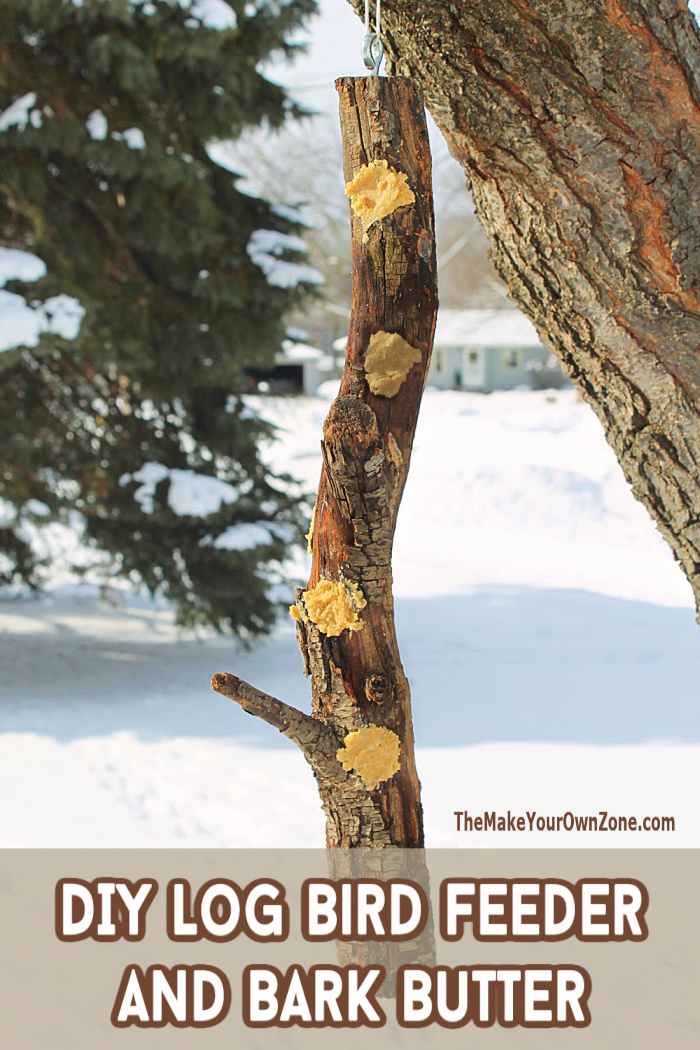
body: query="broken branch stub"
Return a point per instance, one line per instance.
(363, 753)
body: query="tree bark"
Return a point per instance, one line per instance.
(578, 126)
(356, 675)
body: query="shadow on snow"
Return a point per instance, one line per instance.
(501, 664)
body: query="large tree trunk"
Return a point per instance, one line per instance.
(578, 126)
(360, 694)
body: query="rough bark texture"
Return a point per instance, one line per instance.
(356, 677)
(578, 126)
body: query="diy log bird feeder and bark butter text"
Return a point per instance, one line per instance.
(358, 737)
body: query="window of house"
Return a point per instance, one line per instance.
(512, 359)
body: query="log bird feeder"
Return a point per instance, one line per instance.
(358, 737)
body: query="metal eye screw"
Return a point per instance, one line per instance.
(372, 48)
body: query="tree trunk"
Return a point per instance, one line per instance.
(578, 126)
(361, 705)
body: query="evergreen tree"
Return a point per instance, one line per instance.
(150, 283)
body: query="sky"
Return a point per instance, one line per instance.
(334, 44)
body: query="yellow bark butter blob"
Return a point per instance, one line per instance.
(377, 190)
(372, 752)
(333, 606)
(388, 361)
(310, 534)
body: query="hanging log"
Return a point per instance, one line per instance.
(358, 738)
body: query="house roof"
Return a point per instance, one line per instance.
(485, 328)
(479, 328)
(297, 353)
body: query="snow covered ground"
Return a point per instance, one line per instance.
(548, 635)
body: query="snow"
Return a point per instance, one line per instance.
(133, 137)
(287, 212)
(22, 325)
(8, 514)
(214, 14)
(63, 315)
(18, 324)
(283, 274)
(264, 249)
(98, 129)
(18, 113)
(192, 493)
(38, 508)
(221, 153)
(97, 126)
(188, 491)
(16, 265)
(272, 242)
(548, 635)
(243, 536)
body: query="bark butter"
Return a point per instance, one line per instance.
(333, 605)
(388, 361)
(377, 190)
(372, 752)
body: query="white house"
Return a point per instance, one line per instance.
(489, 350)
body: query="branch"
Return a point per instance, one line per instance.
(314, 738)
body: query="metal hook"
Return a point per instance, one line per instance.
(372, 47)
(372, 52)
